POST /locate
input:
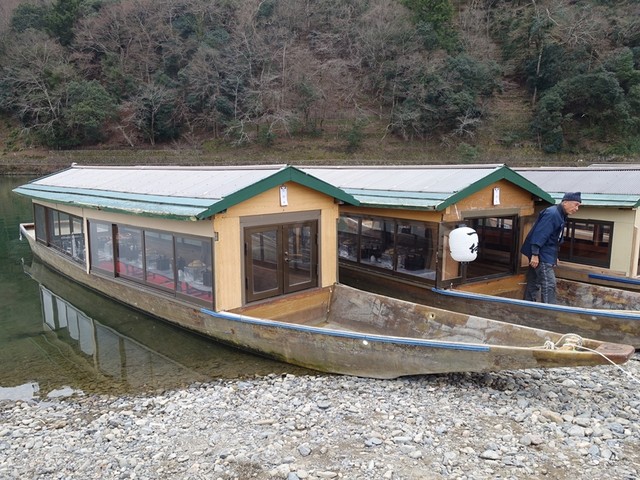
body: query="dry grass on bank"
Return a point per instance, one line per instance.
(314, 151)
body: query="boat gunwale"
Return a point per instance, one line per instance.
(350, 333)
(612, 278)
(620, 314)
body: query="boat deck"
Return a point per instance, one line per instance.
(343, 308)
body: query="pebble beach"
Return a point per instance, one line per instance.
(567, 423)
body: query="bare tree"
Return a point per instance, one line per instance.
(34, 74)
(127, 36)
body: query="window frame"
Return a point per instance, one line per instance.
(393, 266)
(570, 242)
(146, 278)
(49, 232)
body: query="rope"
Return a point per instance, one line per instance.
(571, 340)
(630, 375)
(574, 342)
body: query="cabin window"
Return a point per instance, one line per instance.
(299, 256)
(497, 251)
(266, 263)
(177, 264)
(101, 246)
(400, 246)
(194, 267)
(377, 242)
(65, 233)
(40, 216)
(129, 252)
(159, 257)
(587, 242)
(348, 237)
(414, 249)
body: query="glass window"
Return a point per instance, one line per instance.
(40, 216)
(299, 255)
(101, 245)
(377, 242)
(181, 265)
(129, 252)
(77, 239)
(401, 246)
(587, 242)
(264, 261)
(159, 259)
(348, 234)
(66, 234)
(195, 272)
(58, 227)
(414, 249)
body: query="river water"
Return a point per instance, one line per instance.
(57, 337)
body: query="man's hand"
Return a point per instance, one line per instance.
(535, 261)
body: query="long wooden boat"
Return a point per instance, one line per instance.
(339, 329)
(593, 311)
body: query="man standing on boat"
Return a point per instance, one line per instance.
(541, 248)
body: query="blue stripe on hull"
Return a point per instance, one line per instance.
(631, 281)
(345, 334)
(538, 305)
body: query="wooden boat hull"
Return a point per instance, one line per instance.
(611, 314)
(597, 276)
(347, 331)
(625, 283)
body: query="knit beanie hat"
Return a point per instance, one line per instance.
(572, 197)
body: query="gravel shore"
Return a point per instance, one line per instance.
(570, 423)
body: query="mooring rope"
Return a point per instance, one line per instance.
(574, 341)
(630, 375)
(571, 340)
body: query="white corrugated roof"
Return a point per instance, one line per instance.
(447, 179)
(209, 183)
(415, 186)
(601, 185)
(170, 192)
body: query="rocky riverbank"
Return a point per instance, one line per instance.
(559, 424)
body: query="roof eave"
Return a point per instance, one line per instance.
(159, 213)
(501, 173)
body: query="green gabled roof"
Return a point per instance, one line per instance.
(186, 193)
(502, 173)
(288, 174)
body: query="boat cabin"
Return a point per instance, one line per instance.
(602, 238)
(215, 237)
(399, 235)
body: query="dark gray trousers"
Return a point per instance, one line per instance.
(543, 280)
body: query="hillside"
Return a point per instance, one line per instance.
(288, 81)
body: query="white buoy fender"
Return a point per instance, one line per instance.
(463, 244)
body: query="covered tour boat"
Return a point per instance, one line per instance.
(248, 256)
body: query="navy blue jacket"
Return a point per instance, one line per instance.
(546, 235)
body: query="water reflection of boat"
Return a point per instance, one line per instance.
(116, 348)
